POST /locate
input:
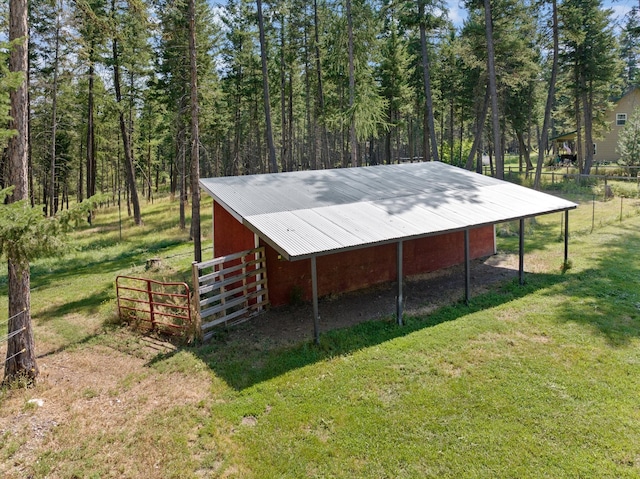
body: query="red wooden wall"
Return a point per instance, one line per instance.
(350, 270)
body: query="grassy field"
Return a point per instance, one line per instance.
(539, 381)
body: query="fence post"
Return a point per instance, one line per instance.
(195, 272)
(593, 213)
(621, 197)
(151, 313)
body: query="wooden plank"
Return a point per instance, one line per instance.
(231, 257)
(203, 290)
(227, 318)
(224, 319)
(230, 304)
(230, 280)
(218, 297)
(226, 271)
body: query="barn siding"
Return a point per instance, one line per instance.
(349, 270)
(230, 236)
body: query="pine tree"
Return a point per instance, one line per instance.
(591, 68)
(629, 141)
(21, 357)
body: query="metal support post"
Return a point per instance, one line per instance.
(314, 292)
(399, 299)
(566, 237)
(521, 262)
(467, 268)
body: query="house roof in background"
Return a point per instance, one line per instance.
(307, 213)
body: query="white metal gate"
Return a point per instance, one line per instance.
(230, 289)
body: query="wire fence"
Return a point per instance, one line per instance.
(603, 199)
(4, 340)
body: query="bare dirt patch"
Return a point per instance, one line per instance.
(97, 403)
(423, 293)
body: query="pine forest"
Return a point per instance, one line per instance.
(290, 85)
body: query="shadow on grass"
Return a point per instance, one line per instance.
(602, 298)
(85, 305)
(101, 263)
(606, 297)
(243, 364)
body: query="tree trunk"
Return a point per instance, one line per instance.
(273, 164)
(180, 164)
(324, 140)
(195, 137)
(283, 102)
(353, 140)
(126, 140)
(544, 137)
(427, 85)
(54, 116)
(477, 139)
(21, 359)
(495, 116)
(587, 106)
(578, 152)
(91, 162)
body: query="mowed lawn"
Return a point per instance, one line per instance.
(539, 381)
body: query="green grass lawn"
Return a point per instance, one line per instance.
(539, 381)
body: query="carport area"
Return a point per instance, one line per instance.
(368, 225)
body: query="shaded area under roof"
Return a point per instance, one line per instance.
(309, 213)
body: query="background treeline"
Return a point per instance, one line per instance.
(348, 82)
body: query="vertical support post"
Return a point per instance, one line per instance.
(314, 292)
(467, 268)
(566, 237)
(521, 262)
(213, 229)
(399, 298)
(245, 291)
(152, 315)
(593, 213)
(621, 208)
(258, 277)
(195, 271)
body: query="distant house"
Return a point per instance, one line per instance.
(605, 150)
(617, 118)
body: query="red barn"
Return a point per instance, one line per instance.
(332, 231)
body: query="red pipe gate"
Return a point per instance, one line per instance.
(166, 307)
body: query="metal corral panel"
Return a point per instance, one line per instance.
(307, 213)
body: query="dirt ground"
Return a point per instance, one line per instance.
(423, 293)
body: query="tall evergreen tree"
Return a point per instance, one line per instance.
(21, 356)
(630, 48)
(544, 135)
(591, 68)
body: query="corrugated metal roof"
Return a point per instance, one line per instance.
(308, 213)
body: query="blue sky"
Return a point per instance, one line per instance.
(457, 12)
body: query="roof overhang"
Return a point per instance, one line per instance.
(570, 136)
(312, 213)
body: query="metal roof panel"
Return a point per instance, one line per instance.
(307, 213)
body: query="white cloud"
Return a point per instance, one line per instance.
(456, 13)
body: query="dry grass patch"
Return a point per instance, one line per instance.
(113, 416)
